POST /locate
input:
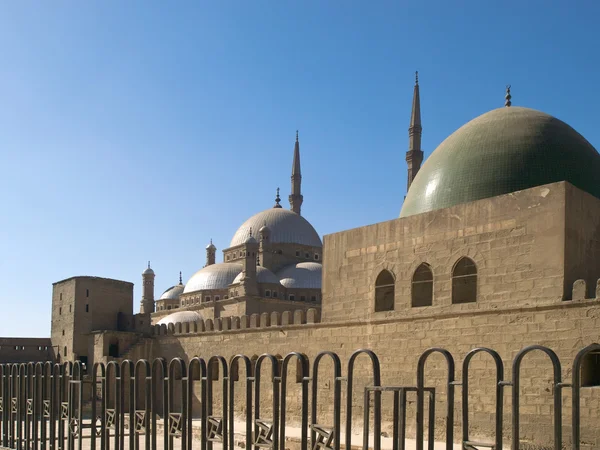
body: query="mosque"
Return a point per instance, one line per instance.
(497, 245)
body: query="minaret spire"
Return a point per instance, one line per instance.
(295, 197)
(414, 155)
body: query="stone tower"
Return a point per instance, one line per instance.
(147, 304)
(211, 252)
(249, 284)
(414, 155)
(296, 195)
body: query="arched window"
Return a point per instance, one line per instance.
(422, 286)
(464, 281)
(384, 291)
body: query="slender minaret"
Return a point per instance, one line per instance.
(211, 253)
(264, 249)
(147, 304)
(296, 195)
(414, 155)
(248, 283)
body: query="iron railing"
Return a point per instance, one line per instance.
(127, 405)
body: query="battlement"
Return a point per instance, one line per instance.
(235, 323)
(580, 290)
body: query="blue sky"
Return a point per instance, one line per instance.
(135, 131)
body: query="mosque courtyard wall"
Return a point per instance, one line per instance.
(516, 241)
(565, 327)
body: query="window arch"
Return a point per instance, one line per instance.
(422, 286)
(384, 291)
(464, 281)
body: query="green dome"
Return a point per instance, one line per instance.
(503, 151)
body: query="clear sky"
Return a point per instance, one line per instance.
(135, 131)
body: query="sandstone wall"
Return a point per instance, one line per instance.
(566, 327)
(517, 242)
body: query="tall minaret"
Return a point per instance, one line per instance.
(296, 195)
(414, 155)
(211, 252)
(147, 304)
(248, 284)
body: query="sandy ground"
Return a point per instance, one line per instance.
(293, 438)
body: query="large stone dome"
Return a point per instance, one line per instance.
(173, 292)
(305, 275)
(215, 276)
(180, 317)
(263, 275)
(286, 227)
(503, 151)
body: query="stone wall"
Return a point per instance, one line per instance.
(237, 307)
(84, 304)
(63, 324)
(23, 350)
(582, 239)
(566, 327)
(517, 242)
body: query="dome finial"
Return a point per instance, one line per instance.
(180, 281)
(277, 200)
(507, 97)
(250, 231)
(416, 78)
(148, 264)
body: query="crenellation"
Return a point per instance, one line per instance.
(275, 319)
(225, 323)
(579, 290)
(264, 320)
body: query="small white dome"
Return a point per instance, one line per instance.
(263, 275)
(215, 276)
(286, 227)
(251, 240)
(180, 317)
(173, 292)
(304, 275)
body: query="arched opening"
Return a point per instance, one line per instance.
(464, 281)
(590, 370)
(384, 291)
(422, 286)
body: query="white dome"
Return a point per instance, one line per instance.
(263, 275)
(180, 317)
(286, 227)
(215, 276)
(173, 292)
(305, 275)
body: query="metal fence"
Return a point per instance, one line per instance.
(147, 405)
